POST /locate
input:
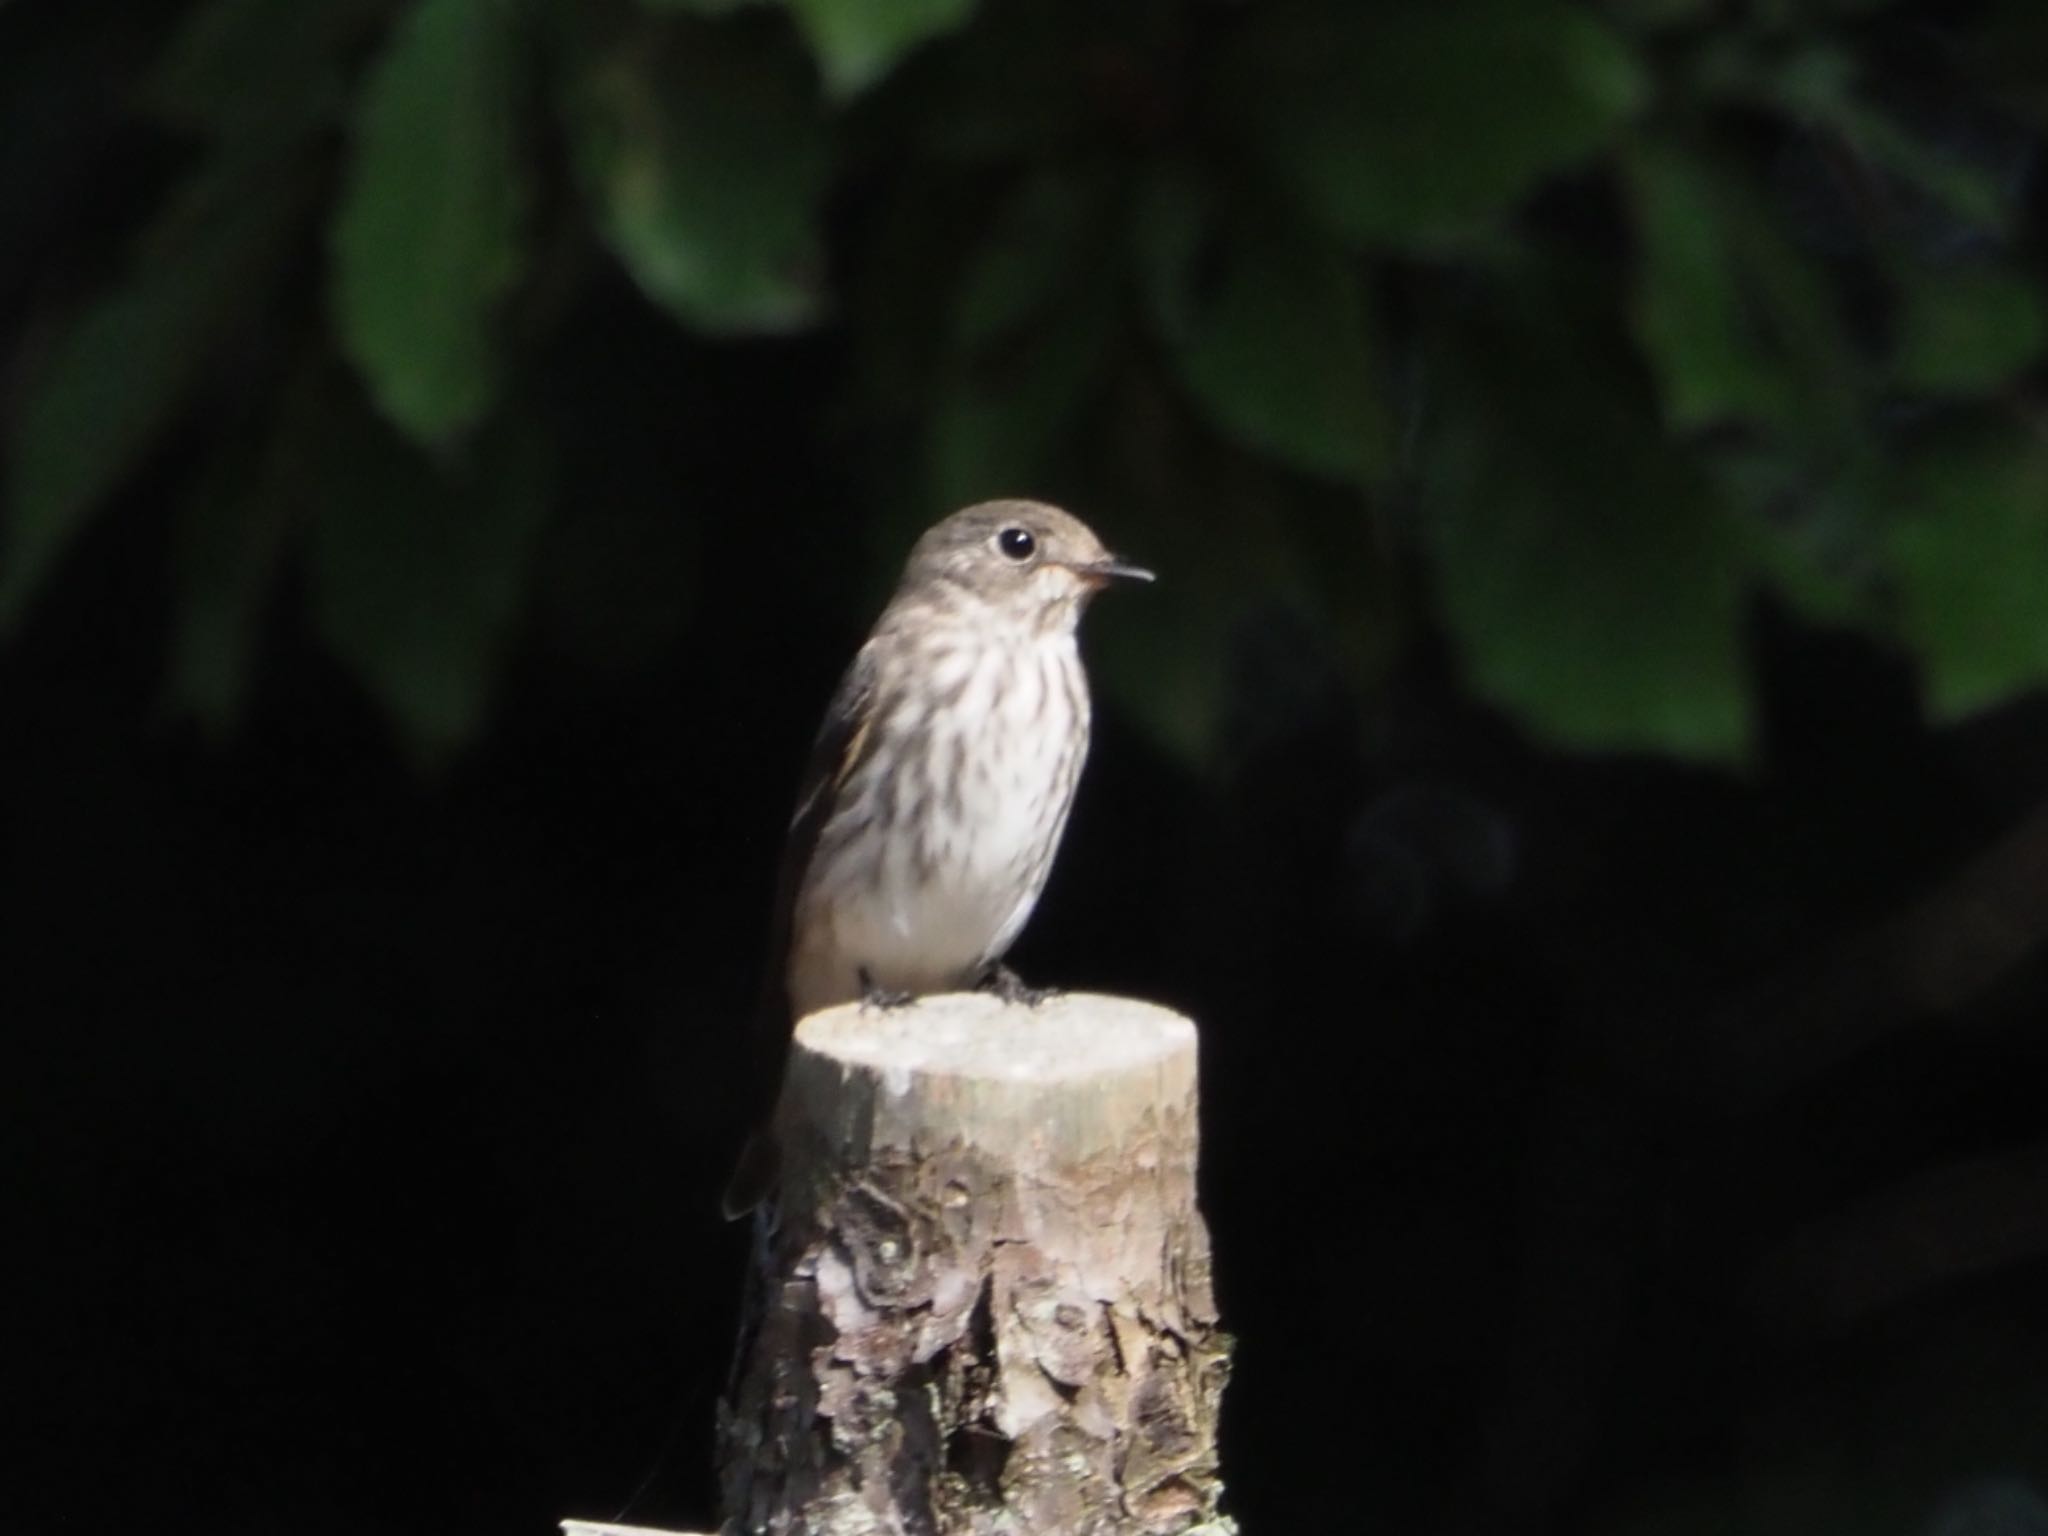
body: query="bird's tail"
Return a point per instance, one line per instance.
(754, 1174)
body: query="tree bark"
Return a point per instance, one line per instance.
(985, 1303)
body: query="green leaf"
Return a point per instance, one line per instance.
(999, 426)
(418, 570)
(857, 42)
(1689, 307)
(1586, 570)
(1417, 124)
(1032, 318)
(1969, 192)
(231, 535)
(1658, 15)
(1818, 86)
(1271, 332)
(248, 66)
(426, 240)
(1269, 583)
(1812, 537)
(1029, 256)
(1969, 554)
(1965, 333)
(117, 375)
(707, 175)
(2005, 56)
(1006, 91)
(706, 7)
(1736, 322)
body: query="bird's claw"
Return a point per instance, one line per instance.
(1009, 986)
(882, 999)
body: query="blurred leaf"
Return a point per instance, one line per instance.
(418, 572)
(2007, 54)
(1969, 332)
(857, 42)
(1163, 657)
(1810, 537)
(426, 240)
(1736, 322)
(1818, 86)
(1006, 89)
(1689, 307)
(1414, 124)
(1029, 254)
(997, 428)
(1969, 553)
(706, 7)
(117, 374)
(707, 176)
(1587, 571)
(1658, 15)
(230, 538)
(908, 248)
(1270, 331)
(1969, 192)
(1250, 559)
(1033, 316)
(239, 66)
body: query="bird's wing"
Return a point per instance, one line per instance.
(842, 745)
(843, 742)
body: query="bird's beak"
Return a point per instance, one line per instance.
(1100, 573)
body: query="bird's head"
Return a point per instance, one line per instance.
(1026, 558)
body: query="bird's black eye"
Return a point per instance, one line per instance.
(1017, 543)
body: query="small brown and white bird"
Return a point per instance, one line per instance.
(939, 783)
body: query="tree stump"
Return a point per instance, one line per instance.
(985, 1306)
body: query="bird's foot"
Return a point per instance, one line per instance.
(1009, 986)
(882, 998)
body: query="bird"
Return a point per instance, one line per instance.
(937, 788)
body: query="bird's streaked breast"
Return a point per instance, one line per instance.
(943, 837)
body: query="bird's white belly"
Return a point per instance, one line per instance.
(954, 852)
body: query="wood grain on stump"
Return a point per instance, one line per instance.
(986, 1305)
